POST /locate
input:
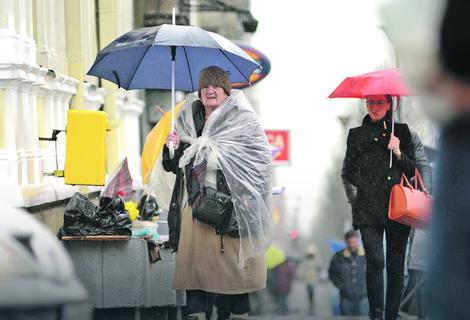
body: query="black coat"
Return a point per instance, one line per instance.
(366, 166)
(172, 165)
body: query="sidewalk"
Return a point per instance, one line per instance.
(298, 304)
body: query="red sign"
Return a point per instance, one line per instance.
(279, 142)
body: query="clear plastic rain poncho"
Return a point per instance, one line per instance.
(234, 141)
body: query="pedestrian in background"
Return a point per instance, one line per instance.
(284, 273)
(220, 146)
(347, 271)
(448, 285)
(366, 167)
(308, 272)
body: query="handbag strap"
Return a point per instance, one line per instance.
(404, 178)
(418, 178)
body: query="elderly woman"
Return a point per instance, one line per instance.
(220, 148)
(366, 166)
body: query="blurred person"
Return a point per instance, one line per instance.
(448, 285)
(347, 271)
(366, 167)
(284, 274)
(308, 272)
(417, 266)
(418, 254)
(219, 145)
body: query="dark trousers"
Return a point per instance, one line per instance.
(202, 301)
(396, 241)
(199, 301)
(414, 280)
(354, 308)
(231, 303)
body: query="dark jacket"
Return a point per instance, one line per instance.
(366, 167)
(348, 274)
(171, 165)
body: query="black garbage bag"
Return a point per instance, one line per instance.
(148, 207)
(83, 218)
(114, 217)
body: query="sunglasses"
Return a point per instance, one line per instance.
(376, 102)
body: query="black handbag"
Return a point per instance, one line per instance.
(209, 205)
(212, 207)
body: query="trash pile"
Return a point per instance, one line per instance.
(83, 218)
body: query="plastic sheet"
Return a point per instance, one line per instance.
(234, 141)
(83, 218)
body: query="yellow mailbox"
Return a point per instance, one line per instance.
(85, 154)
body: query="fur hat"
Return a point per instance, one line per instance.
(454, 44)
(214, 76)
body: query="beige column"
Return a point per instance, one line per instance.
(108, 21)
(75, 39)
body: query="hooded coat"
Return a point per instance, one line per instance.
(366, 167)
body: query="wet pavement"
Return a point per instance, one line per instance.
(298, 304)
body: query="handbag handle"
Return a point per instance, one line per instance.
(417, 178)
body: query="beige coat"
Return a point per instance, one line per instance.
(200, 265)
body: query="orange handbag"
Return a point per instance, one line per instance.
(408, 205)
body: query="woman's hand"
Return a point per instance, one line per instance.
(173, 137)
(394, 145)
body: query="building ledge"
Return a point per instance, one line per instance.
(51, 192)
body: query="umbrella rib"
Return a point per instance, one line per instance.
(138, 66)
(189, 67)
(223, 52)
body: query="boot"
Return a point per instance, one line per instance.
(376, 314)
(238, 316)
(196, 316)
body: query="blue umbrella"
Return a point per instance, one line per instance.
(336, 245)
(142, 58)
(170, 57)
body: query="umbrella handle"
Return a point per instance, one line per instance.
(171, 149)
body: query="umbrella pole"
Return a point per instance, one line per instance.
(173, 56)
(393, 127)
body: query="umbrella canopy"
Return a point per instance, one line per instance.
(388, 81)
(120, 183)
(154, 143)
(274, 256)
(142, 58)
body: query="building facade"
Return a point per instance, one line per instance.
(47, 48)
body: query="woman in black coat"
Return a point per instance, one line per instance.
(366, 166)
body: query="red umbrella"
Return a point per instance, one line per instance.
(380, 82)
(120, 183)
(388, 81)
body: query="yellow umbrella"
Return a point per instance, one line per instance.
(274, 256)
(154, 142)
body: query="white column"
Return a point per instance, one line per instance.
(94, 97)
(8, 155)
(66, 87)
(129, 112)
(46, 126)
(27, 130)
